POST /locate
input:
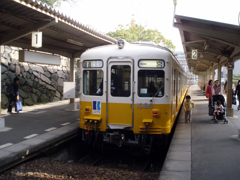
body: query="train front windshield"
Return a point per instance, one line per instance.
(93, 82)
(150, 83)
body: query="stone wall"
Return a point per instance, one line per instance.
(38, 83)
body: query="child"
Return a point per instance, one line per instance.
(188, 106)
(218, 108)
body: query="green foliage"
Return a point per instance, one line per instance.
(57, 3)
(52, 3)
(235, 79)
(135, 33)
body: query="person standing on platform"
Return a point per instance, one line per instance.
(14, 95)
(188, 105)
(225, 87)
(217, 88)
(209, 92)
(237, 92)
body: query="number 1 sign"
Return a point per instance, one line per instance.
(37, 39)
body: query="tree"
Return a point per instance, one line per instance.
(57, 3)
(134, 33)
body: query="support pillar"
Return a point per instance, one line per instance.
(209, 74)
(72, 105)
(206, 80)
(2, 120)
(219, 72)
(229, 90)
(213, 73)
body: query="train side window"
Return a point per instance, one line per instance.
(149, 82)
(93, 82)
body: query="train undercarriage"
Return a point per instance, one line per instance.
(124, 139)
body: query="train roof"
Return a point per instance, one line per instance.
(102, 51)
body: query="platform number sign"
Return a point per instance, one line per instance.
(37, 39)
(194, 54)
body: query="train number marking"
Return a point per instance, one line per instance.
(144, 105)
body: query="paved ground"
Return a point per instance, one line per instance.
(201, 149)
(35, 120)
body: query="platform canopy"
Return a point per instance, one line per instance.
(60, 34)
(215, 42)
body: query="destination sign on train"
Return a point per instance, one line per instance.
(151, 63)
(92, 64)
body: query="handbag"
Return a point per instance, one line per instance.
(18, 106)
(234, 101)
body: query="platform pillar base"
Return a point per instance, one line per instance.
(2, 123)
(72, 107)
(230, 112)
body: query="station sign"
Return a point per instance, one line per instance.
(230, 65)
(37, 39)
(194, 54)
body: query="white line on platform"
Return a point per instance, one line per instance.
(30, 136)
(64, 124)
(51, 129)
(5, 145)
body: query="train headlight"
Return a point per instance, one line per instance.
(121, 43)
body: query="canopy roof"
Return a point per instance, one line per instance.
(61, 34)
(216, 42)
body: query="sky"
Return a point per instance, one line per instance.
(106, 15)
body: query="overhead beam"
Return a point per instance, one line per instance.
(209, 50)
(201, 62)
(235, 52)
(5, 39)
(210, 31)
(188, 42)
(78, 54)
(44, 49)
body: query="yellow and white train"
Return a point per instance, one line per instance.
(130, 93)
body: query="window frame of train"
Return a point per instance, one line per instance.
(92, 77)
(151, 71)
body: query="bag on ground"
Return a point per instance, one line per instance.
(18, 106)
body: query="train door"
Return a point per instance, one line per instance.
(119, 93)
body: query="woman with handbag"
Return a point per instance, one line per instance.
(14, 96)
(209, 94)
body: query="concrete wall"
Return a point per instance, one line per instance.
(38, 83)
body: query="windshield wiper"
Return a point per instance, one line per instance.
(156, 93)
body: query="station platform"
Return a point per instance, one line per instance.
(35, 129)
(202, 149)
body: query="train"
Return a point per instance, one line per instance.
(130, 94)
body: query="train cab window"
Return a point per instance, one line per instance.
(93, 82)
(120, 80)
(151, 83)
